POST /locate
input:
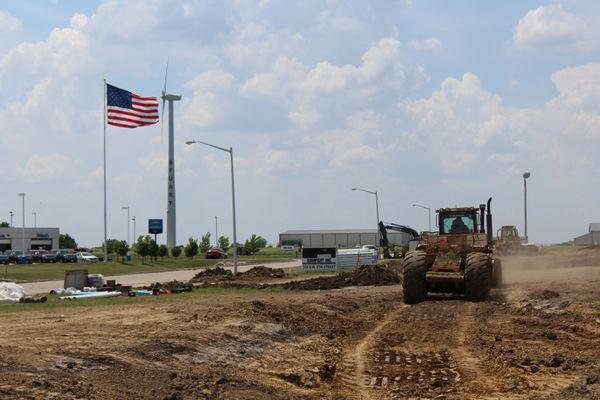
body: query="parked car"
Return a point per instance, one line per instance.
(64, 256)
(43, 256)
(4, 259)
(86, 257)
(17, 257)
(216, 252)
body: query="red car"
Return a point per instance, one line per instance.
(216, 252)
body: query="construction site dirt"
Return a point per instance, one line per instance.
(538, 337)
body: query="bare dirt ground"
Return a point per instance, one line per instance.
(537, 338)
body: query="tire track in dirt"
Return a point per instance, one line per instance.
(469, 363)
(355, 362)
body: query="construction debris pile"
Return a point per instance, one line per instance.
(374, 275)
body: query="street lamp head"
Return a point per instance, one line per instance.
(190, 142)
(20, 194)
(353, 188)
(124, 208)
(526, 175)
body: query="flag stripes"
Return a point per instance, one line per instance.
(128, 110)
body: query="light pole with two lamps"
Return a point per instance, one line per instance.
(428, 211)
(230, 151)
(378, 244)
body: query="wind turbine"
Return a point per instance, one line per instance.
(171, 204)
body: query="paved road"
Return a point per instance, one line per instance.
(148, 278)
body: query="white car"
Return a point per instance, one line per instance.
(85, 257)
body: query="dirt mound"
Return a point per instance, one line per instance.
(543, 294)
(365, 276)
(212, 275)
(262, 272)
(175, 286)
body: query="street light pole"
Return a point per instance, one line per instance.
(127, 208)
(230, 151)
(11, 218)
(428, 211)
(526, 175)
(23, 226)
(34, 219)
(377, 213)
(134, 238)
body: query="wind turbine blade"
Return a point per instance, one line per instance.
(162, 115)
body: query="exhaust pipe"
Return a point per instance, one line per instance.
(490, 233)
(482, 219)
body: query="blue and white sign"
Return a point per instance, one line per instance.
(155, 226)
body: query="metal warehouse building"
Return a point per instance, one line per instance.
(592, 238)
(339, 238)
(35, 238)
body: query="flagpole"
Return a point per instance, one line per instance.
(105, 244)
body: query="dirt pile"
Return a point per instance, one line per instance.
(364, 276)
(209, 275)
(219, 276)
(261, 272)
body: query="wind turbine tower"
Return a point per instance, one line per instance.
(171, 203)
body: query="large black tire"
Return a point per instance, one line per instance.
(414, 269)
(477, 276)
(497, 274)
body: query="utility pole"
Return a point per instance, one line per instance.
(34, 219)
(526, 175)
(11, 218)
(23, 226)
(127, 208)
(134, 238)
(216, 232)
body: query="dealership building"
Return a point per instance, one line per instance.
(34, 238)
(340, 238)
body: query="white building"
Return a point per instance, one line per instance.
(592, 238)
(35, 238)
(339, 238)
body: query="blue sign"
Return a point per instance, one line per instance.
(155, 226)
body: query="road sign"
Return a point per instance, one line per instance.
(155, 226)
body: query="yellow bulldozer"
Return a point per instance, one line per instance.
(508, 242)
(459, 258)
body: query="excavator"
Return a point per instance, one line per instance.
(392, 251)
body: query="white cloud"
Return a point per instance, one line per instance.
(429, 44)
(9, 23)
(550, 27)
(50, 167)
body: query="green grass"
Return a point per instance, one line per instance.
(42, 272)
(55, 305)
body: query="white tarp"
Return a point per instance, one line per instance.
(10, 291)
(354, 258)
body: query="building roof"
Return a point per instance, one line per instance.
(594, 227)
(322, 231)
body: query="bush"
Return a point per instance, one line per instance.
(176, 251)
(163, 251)
(191, 249)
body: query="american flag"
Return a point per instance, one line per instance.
(128, 110)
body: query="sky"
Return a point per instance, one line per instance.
(437, 103)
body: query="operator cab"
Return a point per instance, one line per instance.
(458, 220)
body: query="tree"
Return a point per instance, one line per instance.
(4, 225)
(163, 251)
(204, 243)
(141, 247)
(121, 248)
(255, 243)
(66, 242)
(191, 249)
(152, 247)
(176, 251)
(224, 243)
(111, 245)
